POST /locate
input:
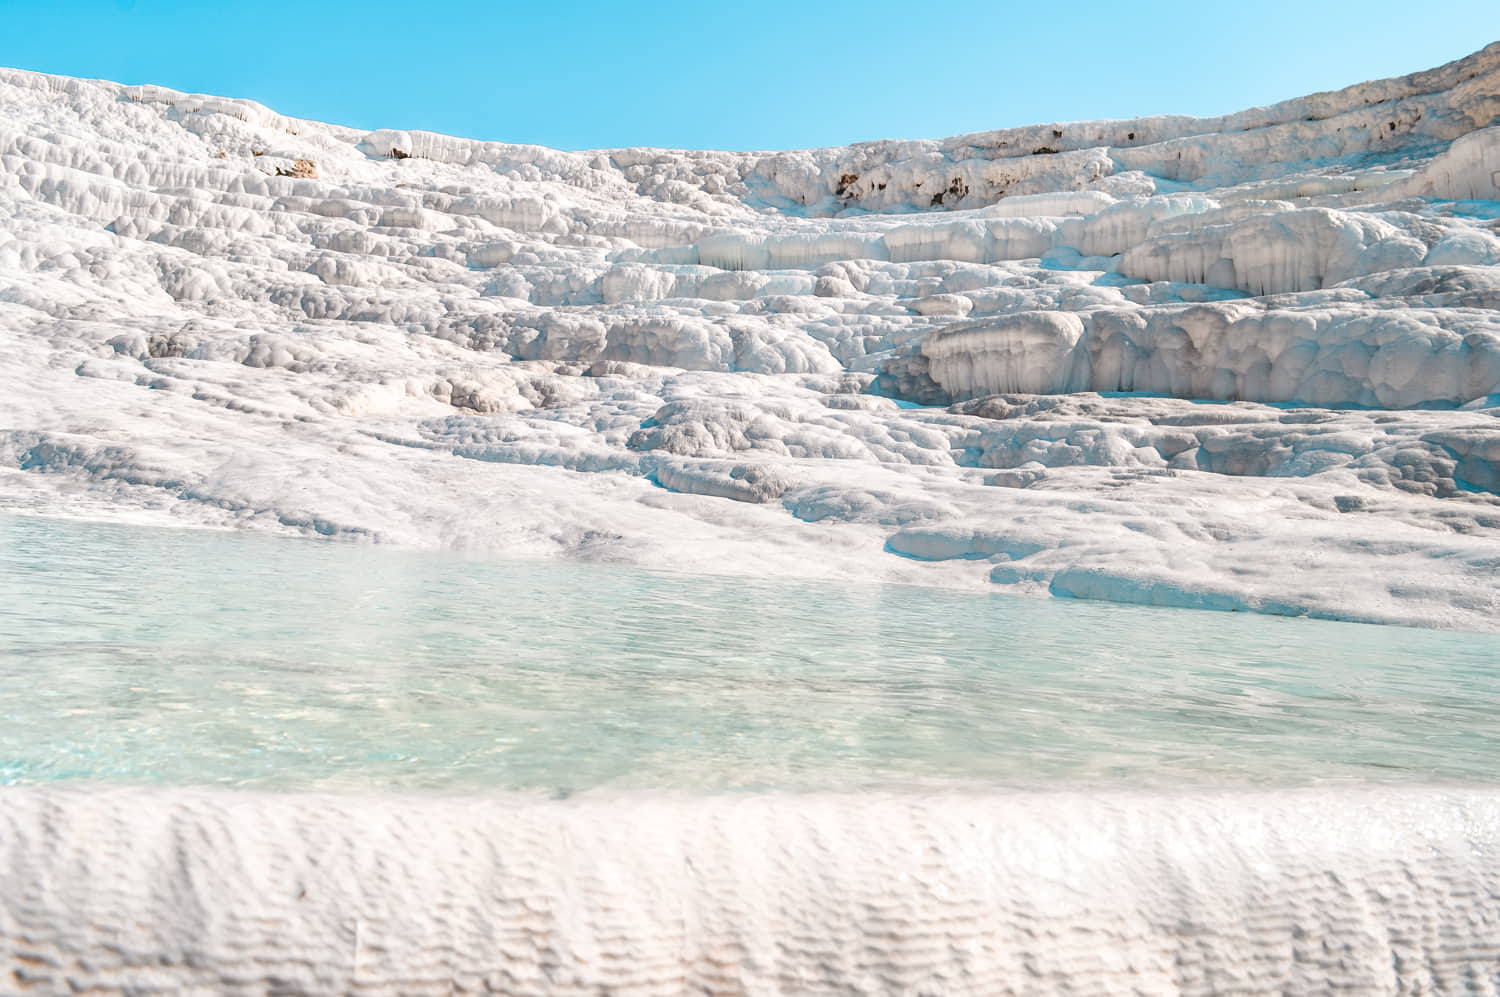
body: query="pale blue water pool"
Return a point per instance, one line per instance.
(137, 655)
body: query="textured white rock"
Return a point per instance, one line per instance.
(1300, 892)
(692, 359)
(712, 361)
(1328, 356)
(1469, 169)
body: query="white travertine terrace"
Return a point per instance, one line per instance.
(1244, 363)
(739, 362)
(1303, 892)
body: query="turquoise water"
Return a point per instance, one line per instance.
(139, 655)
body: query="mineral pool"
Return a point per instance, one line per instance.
(150, 656)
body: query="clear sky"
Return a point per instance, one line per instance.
(754, 74)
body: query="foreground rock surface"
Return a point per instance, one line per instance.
(1293, 892)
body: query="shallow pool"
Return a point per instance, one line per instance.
(138, 655)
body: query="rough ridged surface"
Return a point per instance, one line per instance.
(214, 314)
(1301, 892)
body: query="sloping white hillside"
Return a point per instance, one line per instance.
(1250, 362)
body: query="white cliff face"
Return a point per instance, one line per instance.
(125, 892)
(1329, 356)
(213, 314)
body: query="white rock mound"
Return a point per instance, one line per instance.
(715, 361)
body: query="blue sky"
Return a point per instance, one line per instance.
(766, 74)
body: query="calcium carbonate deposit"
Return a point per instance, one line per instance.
(1249, 362)
(1243, 363)
(1048, 894)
